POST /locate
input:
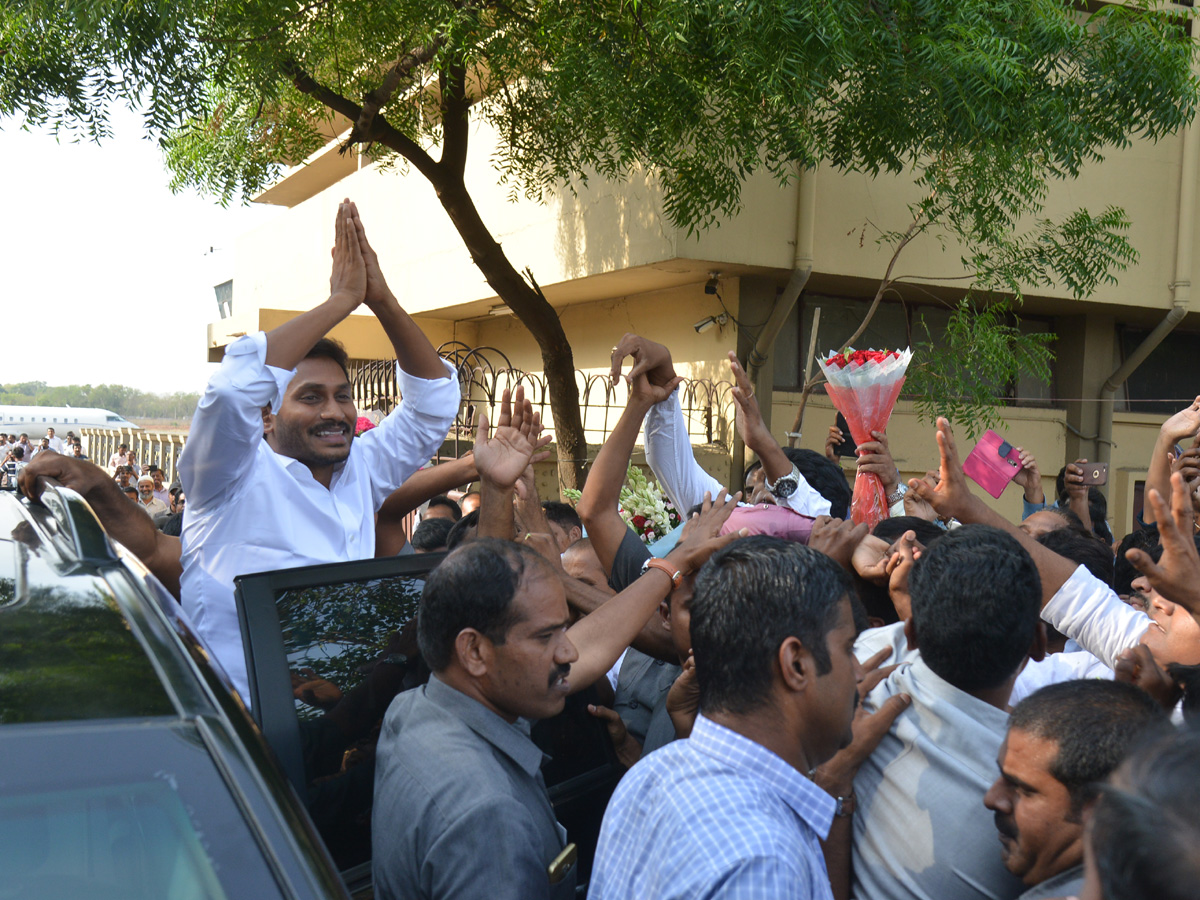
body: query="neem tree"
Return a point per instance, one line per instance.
(981, 101)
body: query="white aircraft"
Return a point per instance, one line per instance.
(34, 420)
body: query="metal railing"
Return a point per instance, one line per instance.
(161, 448)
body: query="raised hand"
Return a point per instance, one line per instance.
(837, 538)
(348, 281)
(870, 559)
(904, 553)
(748, 416)
(503, 456)
(1176, 575)
(643, 393)
(876, 457)
(701, 536)
(833, 440)
(649, 358)
(1183, 424)
(377, 290)
(1029, 478)
(1137, 666)
(949, 496)
(919, 508)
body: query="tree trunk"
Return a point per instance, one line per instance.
(536, 314)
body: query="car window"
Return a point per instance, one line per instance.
(66, 651)
(122, 810)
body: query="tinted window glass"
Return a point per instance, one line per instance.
(66, 651)
(124, 812)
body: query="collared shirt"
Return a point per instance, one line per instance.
(461, 811)
(1056, 667)
(1064, 884)
(714, 815)
(669, 453)
(250, 509)
(921, 831)
(154, 508)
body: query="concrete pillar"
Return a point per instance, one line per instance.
(1087, 353)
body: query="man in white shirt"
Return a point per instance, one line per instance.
(56, 443)
(272, 471)
(152, 506)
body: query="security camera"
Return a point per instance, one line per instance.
(709, 321)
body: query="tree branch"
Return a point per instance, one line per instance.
(455, 118)
(397, 72)
(381, 130)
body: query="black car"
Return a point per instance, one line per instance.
(130, 770)
(134, 770)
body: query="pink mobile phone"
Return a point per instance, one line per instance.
(993, 463)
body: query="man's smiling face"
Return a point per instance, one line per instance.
(315, 422)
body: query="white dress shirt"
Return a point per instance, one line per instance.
(250, 509)
(669, 454)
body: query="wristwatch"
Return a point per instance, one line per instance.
(661, 564)
(785, 486)
(898, 494)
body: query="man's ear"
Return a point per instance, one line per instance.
(1037, 650)
(268, 421)
(664, 613)
(474, 652)
(796, 665)
(910, 632)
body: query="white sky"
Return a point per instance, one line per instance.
(107, 275)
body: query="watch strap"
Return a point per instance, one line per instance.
(662, 565)
(785, 486)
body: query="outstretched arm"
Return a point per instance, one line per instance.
(158, 552)
(1180, 427)
(414, 353)
(602, 636)
(500, 458)
(597, 505)
(419, 487)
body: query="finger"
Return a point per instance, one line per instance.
(505, 409)
(619, 352)
(1141, 561)
(946, 443)
(871, 679)
(880, 723)
(1181, 507)
(875, 661)
(603, 712)
(739, 375)
(481, 431)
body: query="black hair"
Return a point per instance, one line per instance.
(751, 596)
(431, 535)
(976, 600)
(823, 476)
(443, 500)
(1145, 829)
(1123, 571)
(562, 514)
(1085, 549)
(18, 451)
(892, 529)
(328, 348)
(463, 529)
(1068, 516)
(473, 587)
(1095, 723)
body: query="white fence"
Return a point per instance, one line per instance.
(158, 447)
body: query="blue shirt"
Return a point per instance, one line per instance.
(716, 815)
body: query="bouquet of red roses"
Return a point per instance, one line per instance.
(864, 385)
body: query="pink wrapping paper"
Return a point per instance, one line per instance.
(865, 393)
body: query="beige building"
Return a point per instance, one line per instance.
(610, 262)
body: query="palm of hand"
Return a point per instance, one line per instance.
(503, 457)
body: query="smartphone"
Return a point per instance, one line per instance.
(1095, 473)
(993, 463)
(847, 447)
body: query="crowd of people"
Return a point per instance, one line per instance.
(947, 706)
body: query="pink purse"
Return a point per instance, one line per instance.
(993, 463)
